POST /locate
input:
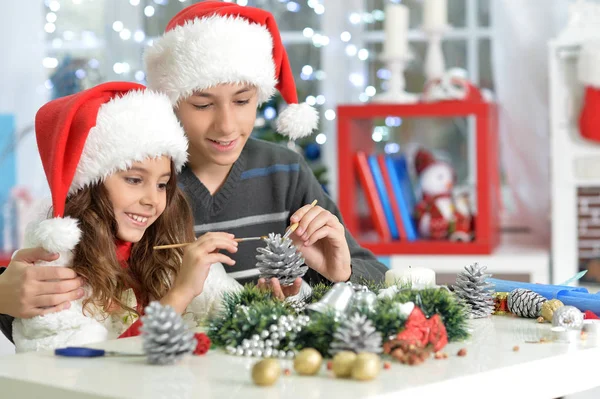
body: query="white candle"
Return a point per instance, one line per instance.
(396, 30)
(435, 14)
(418, 277)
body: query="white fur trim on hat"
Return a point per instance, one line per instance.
(56, 235)
(297, 121)
(588, 66)
(207, 52)
(132, 128)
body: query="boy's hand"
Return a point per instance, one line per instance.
(27, 290)
(321, 238)
(280, 292)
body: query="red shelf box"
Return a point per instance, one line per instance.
(355, 126)
(4, 259)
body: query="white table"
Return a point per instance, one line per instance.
(491, 369)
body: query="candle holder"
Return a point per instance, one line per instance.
(396, 92)
(435, 65)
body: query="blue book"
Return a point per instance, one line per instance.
(383, 197)
(398, 181)
(401, 167)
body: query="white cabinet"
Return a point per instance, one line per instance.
(575, 167)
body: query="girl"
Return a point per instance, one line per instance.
(111, 155)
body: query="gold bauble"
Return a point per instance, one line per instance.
(266, 372)
(308, 362)
(342, 364)
(366, 366)
(549, 307)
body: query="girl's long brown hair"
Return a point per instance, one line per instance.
(149, 272)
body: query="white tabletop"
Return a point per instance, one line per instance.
(490, 369)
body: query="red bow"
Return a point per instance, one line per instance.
(203, 344)
(423, 331)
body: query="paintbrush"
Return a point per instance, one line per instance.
(169, 246)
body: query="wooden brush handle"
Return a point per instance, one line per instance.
(170, 246)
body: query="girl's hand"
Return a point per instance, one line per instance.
(197, 259)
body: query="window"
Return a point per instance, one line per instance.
(333, 47)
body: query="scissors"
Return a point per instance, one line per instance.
(74, 351)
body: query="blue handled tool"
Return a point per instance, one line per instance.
(73, 351)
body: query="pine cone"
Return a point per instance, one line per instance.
(525, 303)
(165, 335)
(472, 288)
(280, 259)
(356, 334)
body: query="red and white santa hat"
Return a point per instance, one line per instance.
(588, 69)
(85, 137)
(425, 159)
(211, 43)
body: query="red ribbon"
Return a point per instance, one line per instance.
(423, 331)
(203, 344)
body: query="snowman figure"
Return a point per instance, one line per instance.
(439, 214)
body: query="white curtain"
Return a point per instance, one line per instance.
(522, 30)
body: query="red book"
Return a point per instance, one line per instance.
(392, 196)
(370, 190)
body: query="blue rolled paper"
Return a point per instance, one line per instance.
(581, 300)
(546, 290)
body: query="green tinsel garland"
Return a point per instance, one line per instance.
(318, 333)
(387, 318)
(252, 310)
(318, 291)
(245, 312)
(232, 329)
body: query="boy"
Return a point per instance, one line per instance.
(217, 62)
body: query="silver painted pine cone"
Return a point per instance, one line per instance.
(280, 259)
(472, 288)
(525, 303)
(356, 334)
(165, 336)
